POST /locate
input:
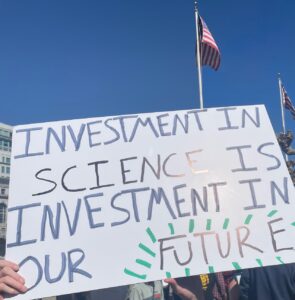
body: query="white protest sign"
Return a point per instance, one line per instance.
(103, 202)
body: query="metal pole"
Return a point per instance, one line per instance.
(199, 57)
(282, 104)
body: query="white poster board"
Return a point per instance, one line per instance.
(103, 202)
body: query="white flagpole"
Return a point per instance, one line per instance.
(282, 104)
(199, 58)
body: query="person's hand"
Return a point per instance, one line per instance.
(185, 294)
(11, 283)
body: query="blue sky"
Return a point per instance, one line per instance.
(68, 59)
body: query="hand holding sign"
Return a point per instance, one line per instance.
(11, 282)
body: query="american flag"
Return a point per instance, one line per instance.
(287, 102)
(209, 51)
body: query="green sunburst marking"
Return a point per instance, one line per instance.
(143, 263)
(236, 265)
(147, 250)
(225, 223)
(273, 212)
(151, 235)
(248, 219)
(209, 223)
(192, 225)
(259, 262)
(211, 269)
(171, 228)
(280, 260)
(133, 274)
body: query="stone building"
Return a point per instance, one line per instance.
(5, 152)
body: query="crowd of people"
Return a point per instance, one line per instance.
(264, 283)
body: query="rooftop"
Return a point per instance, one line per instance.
(6, 126)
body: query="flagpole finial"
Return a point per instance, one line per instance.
(196, 5)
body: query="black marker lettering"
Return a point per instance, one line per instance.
(134, 200)
(124, 171)
(63, 181)
(38, 266)
(48, 277)
(20, 210)
(242, 241)
(91, 210)
(273, 233)
(98, 185)
(163, 249)
(215, 193)
(48, 214)
(93, 133)
(178, 201)
(283, 194)
(278, 163)
(202, 202)
(243, 167)
(73, 265)
(156, 172)
(76, 139)
(61, 142)
(122, 124)
(114, 130)
(245, 114)
(27, 153)
(46, 180)
(190, 256)
(253, 195)
(147, 121)
(72, 225)
(162, 124)
(165, 167)
(204, 250)
(226, 254)
(157, 196)
(177, 120)
(197, 117)
(114, 198)
(227, 118)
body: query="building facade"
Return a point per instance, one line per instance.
(5, 153)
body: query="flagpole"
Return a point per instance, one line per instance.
(199, 57)
(282, 103)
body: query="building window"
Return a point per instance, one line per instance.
(5, 160)
(2, 213)
(2, 169)
(4, 132)
(2, 191)
(7, 170)
(5, 145)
